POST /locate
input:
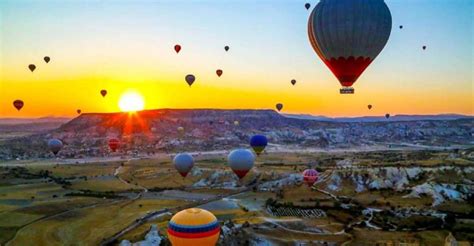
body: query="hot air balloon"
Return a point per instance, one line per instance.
(293, 81)
(236, 123)
(348, 35)
(310, 176)
(219, 72)
(114, 144)
(387, 116)
(79, 111)
(180, 131)
(103, 93)
(183, 163)
(190, 79)
(226, 48)
(18, 104)
(369, 106)
(279, 106)
(258, 143)
(307, 6)
(193, 226)
(241, 161)
(46, 59)
(401, 27)
(32, 67)
(55, 145)
(424, 47)
(177, 48)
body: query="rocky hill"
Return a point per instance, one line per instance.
(153, 131)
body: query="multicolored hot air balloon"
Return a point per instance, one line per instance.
(279, 106)
(114, 144)
(348, 35)
(258, 143)
(307, 6)
(46, 59)
(103, 93)
(241, 161)
(190, 79)
(32, 67)
(310, 176)
(55, 145)
(177, 48)
(219, 72)
(369, 106)
(18, 104)
(193, 226)
(293, 81)
(183, 163)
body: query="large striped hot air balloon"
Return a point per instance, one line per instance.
(347, 35)
(193, 226)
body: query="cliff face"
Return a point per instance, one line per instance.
(209, 129)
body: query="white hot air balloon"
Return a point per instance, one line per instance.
(183, 162)
(241, 161)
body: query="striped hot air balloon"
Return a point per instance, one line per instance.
(348, 35)
(310, 176)
(193, 226)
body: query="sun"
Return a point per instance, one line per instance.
(131, 101)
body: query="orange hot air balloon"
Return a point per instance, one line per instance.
(103, 93)
(18, 104)
(32, 67)
(219, 72)
(194, 226)
(177, 48)
(114, 144)
(348, 35)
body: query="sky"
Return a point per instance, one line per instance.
(124, 46)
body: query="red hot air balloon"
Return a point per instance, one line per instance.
(310, 176)
(103, 93)
(219, 72)
(114, 144)
(18, 104)
(177, 48)
(32, 67)
(279, 106)
(348, 36)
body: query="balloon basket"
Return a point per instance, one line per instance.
(346, 90)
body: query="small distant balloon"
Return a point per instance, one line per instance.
(79, 111)
(177, 48)
(219, 72)
(32, 67)
(18, 104)
(293, 82)
(310, 176)
(279, 106)
(114, 144)
(190, 79)
(369, 106)
(236, 123)
(103, 93)
(55, 145)
(226, 48)
(307, 6)
(401, 27)
(387, 116)
(47, 59)
(424, 47)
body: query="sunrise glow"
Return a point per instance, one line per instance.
(131, 102)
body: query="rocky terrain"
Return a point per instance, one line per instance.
(153, 131)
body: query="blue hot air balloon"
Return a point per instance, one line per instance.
(258, 143)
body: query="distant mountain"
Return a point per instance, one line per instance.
(14, 121)
(399, 117)
(153, 131)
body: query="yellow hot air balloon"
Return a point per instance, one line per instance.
(194, 226)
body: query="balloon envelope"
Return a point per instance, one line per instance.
(103, 93)
(190, 79)
(307, 5)
(241, 161)
(78, 111)
(46, 59)
(32, 67)
(177, 48)
(183, 163)
(387, 116)
(369, 106)
(258, 143)
(193, 226)
(55, 145)
(226, 48)
(348, 35)
(293, 82)
(114, 144)
(279, 106)
(310, 176)
(18, 104)
(219, 72)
